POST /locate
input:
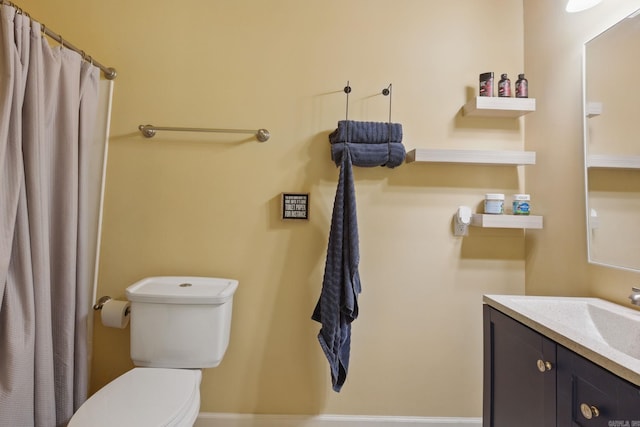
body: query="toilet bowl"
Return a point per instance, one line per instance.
(153, 397)
(179, 325)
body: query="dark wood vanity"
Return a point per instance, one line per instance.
(531, 380)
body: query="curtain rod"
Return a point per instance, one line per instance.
(109, 73)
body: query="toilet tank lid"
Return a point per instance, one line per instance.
(182, 290)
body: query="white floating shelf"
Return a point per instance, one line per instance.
(613, 162)
(495, 106)
(481, 157)
(506, 221)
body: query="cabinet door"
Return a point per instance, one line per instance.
(628, 404)
(589, 395)
(519, 374)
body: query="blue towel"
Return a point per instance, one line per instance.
(366, 132)
(337, 306)
(370, 155)
(371, 143)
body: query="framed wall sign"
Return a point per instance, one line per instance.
(295, 206)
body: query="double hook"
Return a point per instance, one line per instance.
(386, 92)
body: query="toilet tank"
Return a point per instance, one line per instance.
(180, 321)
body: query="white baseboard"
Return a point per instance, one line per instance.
(208, 419)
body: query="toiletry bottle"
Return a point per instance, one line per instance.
(504, 86)
(494, 203)
(486, 84)
(522, 87)
(521, 204)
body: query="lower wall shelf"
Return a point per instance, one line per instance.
(506, 221)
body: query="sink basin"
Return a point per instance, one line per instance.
(604, 332)
(620, 330)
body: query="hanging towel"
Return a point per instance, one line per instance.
(352, 144)
(337, 306)
(371, 143)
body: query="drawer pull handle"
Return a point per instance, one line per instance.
(544, 366)
(589, 411)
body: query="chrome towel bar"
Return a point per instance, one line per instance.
(149, 131)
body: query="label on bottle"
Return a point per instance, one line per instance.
(521, 207)
(495, 207)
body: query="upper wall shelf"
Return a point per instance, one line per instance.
(479, 157)
(613, 162)
(495, 106)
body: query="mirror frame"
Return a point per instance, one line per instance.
(585, 118)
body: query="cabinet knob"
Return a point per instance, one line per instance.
(544, 366)
(589, 411)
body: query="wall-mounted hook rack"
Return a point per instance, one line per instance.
(387, 91)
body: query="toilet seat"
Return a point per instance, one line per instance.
(144, 397)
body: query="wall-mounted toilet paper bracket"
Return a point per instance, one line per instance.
(101, 302)
(105, 299)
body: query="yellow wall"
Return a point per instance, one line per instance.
(557, 256)
(188, 204)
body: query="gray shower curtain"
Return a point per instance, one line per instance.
(48, 101)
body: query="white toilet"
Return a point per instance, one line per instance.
(179, 325)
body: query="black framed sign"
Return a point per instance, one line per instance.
(295, 206)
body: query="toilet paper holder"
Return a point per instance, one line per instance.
(105, 299)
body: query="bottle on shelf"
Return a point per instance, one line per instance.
(486, 84)
(504, 86)
(522, 87)
(494, 203)
(521, 204)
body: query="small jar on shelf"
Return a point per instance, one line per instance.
(494, 203)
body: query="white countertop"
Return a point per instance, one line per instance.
(568, 321)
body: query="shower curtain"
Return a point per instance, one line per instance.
(48, 103)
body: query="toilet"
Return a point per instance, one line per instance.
(179, 325)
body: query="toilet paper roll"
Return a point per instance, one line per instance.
(115, 314)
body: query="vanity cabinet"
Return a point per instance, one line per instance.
(519, 375)
(530, 380)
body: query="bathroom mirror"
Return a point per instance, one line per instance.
(612, 145)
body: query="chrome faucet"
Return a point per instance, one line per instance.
(635, 296)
